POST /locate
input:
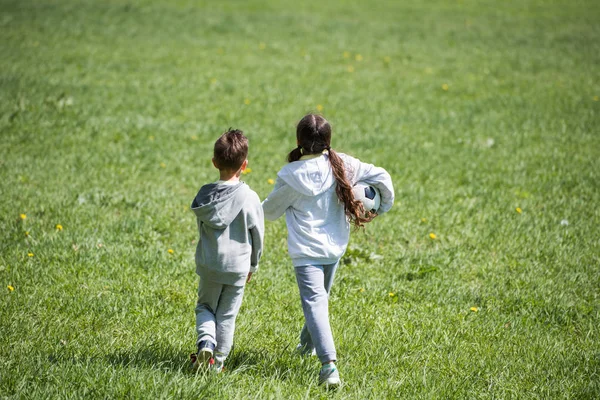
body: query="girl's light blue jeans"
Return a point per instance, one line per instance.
(314, 283)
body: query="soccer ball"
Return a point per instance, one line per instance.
(368, 195)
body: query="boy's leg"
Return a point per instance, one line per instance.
(226, 313)
(313, 282)
(306, 343)
(208, 299)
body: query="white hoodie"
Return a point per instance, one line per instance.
(318, 229)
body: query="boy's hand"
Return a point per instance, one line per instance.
(249, 277)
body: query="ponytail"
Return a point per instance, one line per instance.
(295, 154)
(354, 209)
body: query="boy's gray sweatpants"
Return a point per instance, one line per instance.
(314, 283)
(217, 308)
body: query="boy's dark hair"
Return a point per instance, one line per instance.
(313, 134)
(231, 150)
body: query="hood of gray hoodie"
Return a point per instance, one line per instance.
(217, 205)
(309, 177)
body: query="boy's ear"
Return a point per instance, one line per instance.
(214, 163)
(244, 165)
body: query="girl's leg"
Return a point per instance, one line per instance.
(208, 299)
(306, 342)
(227, 311)
(313, 282)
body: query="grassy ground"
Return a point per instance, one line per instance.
(482, 282)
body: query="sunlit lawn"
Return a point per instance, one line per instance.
(482, 282)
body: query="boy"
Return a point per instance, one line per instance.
(231, 228)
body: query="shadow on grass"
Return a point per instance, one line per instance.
(164, 359)
(282, 364)
(169, 359)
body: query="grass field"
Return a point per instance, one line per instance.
(482, 282)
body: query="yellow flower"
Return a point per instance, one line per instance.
(29, 254)
(346, 54)
(10, 288)
(262, 46)
(350, 68)
(596, 98)
(518, 209)
(432, 236)
(423, 220)
(163, 165)
(23, 216)
(26, 233)
(246, 101)
(358, 58)
(387, 59)
(319, 108)
(391, 294)
(213, 81)
(247, 171)
(270, 181)
(474, 309)
(170, 251)
(445, 86)
(59, 227)
(151, 138)
(361, 290)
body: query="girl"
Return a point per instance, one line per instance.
(315, 192)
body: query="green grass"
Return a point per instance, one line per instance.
(108, 114)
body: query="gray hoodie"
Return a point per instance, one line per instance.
(231, 228)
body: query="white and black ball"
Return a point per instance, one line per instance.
(368, 195)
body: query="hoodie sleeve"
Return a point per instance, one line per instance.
(278, 200)
(257, 232)
(372, 175)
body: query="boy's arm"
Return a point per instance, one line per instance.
(278, 200)
(372, 175)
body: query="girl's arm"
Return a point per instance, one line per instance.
(376, 176)
(257, 232)
(279, 200)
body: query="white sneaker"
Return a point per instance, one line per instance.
(329, 376)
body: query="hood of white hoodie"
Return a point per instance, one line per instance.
(309, 177)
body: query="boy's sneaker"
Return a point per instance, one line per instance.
(216, 367)
(204, 357)
(305, 351)
(329, 376)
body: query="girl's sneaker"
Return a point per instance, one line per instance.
(329, 376)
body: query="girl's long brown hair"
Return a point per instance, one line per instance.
(314, 135)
